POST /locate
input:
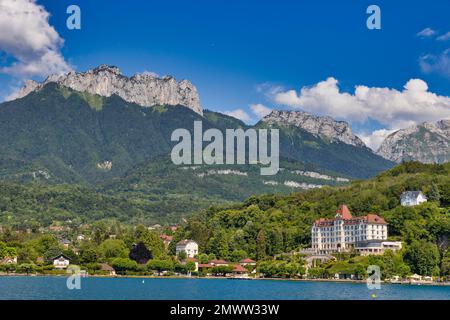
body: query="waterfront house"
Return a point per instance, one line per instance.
(106, 268)
(239, 269)
(218, 263)
(8, 260)
(190, 247)
(412, 198)
(204, 266)
(247, 262)
(61, 261)
(377, 247)
(345, 232)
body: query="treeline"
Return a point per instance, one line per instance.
(35, 205)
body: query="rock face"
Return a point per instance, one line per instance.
(144, 89)
(427, 143)
(325, 127)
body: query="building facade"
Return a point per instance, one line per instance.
(345, 233)
(190, 247)
(61, 262)
(412, 198)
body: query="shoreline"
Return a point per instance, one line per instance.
(438, 284)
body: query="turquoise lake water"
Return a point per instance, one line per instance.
(55, 288)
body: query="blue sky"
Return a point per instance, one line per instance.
(240, 53)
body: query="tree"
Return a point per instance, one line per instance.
(160, 265)
(26, 254)
(122, 265)
(434, 193)
(237, 255)
(190, 266)
(113, 248)
(26, 268)
(445, 266)
(7, 251)
(218, 244)
(261, 245)
(203, 258)
(182, 255)
(140, 253)
(151, 241)
(45, 243)
(88, 255)
(422, 257)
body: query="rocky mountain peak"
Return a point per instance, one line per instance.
(144, 89)
(427, 142)
(324, 127)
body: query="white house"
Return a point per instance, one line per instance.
(61, 261)
(188, 246)
(346, 232)
(412, 198)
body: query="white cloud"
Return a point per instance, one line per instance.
(27, 36)
(392, 108)
(239, 114)
(436, 63)
(374, 139)
(426, 33)
(260, 110)
(444, 37)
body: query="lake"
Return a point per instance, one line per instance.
(55, 288)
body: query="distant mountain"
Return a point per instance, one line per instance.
(144, 89)
(324, 127)
(325, 143)
(427, 143)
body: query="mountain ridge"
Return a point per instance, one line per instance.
(144, 89)
(322, 126)
(426, 142)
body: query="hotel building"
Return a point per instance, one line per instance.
(364, 234)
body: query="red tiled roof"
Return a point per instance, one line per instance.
(344, 212)
(373, 218)
(218, 262)
(239, 268)
(205, 265)
(247, 260)
(349, 219)
(192, 259)
(165, 237)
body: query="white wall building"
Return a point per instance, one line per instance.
(345, 232)
(61, 262)
(412, 198)
(188, 246)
